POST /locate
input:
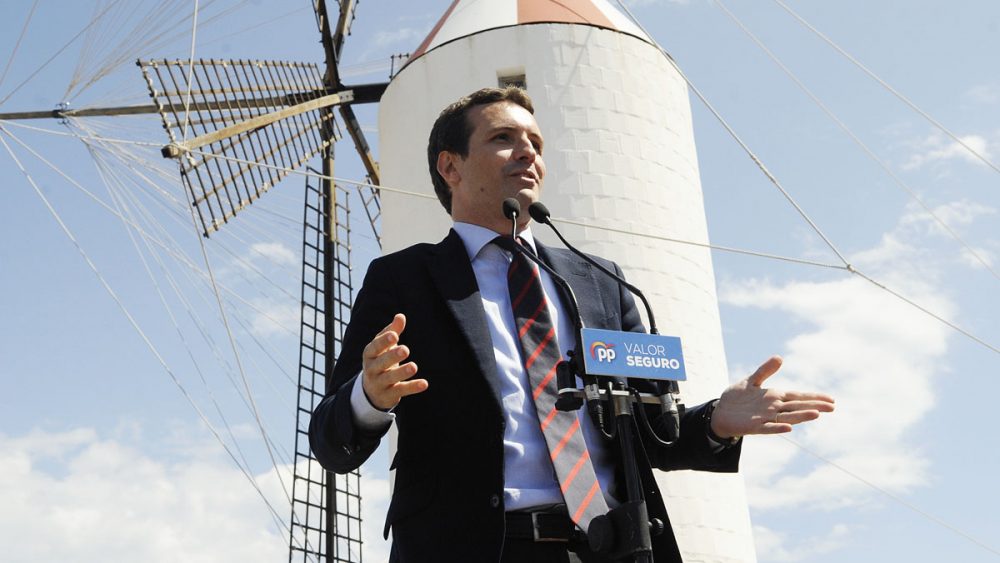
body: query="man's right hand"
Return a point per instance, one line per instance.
(385, 381)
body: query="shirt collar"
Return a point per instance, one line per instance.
(475, 238)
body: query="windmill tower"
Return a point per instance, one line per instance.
(620, 154)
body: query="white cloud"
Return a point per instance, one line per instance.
(956, 213)
(984, 94)
(273, 317)
(76, 496)
(875, 354)
(263, 261)
(374, 505)
(276, 252)
(978, 257)
(402, 36)
(916, 223)
(938, 148)
(774, 546)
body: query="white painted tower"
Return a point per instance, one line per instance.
(619, 153)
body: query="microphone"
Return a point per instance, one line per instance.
(666, 390)
(541, 214)
(512, 210)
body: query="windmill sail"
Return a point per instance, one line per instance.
(238, 127)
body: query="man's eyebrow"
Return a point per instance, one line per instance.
(500, 128)
(535, 136)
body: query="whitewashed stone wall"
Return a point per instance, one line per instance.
(620, 153)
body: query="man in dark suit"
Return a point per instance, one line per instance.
(474, 481)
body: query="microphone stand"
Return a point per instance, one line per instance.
(624, 533)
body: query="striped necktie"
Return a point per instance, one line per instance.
(540, 354)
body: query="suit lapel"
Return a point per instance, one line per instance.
(582, 278)
(452, 274)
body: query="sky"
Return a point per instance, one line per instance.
(112, 430)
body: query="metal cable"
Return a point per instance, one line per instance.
(891, 496)
(864, 147)
(166, 248)
(121, 206)
(57, 53)
(187, 97)
(17, 45)
(149, 344)
(738, 139)
(701, 244)
(886, 85)
(251, 405)
(926, 311)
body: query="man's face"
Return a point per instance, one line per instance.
(504, 160)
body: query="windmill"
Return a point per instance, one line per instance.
(387, 180)
(236, 129)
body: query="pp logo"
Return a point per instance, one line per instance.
(602, 352)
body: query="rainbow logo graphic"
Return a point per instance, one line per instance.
(602, 351)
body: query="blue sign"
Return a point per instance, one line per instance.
(632, 354)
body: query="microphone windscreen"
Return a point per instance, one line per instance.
(511, 208)
(539, 212)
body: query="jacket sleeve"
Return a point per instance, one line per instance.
(692, 450)
(336, 441)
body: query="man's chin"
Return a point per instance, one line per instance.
(527, 196)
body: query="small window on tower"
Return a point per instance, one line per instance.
(512, 80)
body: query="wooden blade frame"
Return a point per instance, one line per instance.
(251, 112)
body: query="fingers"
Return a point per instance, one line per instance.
(795, 417)
(818, 405)
(805, 396)
(376, 365)
(388, 336)
(772, 428)
(385, 380)
(392, 385)
(767, 369)
(406, 388)
(782, 422)
(382, 353)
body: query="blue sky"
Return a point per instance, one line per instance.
(104, 458)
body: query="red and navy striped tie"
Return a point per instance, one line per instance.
(540, 353)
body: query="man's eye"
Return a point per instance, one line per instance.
(502, 137)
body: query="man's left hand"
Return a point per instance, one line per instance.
(748, 408)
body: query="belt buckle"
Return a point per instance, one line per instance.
(537, 535)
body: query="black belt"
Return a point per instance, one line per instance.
(542, 527)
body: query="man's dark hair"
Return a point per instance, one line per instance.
(452, 130)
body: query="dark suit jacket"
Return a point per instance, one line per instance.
(447, 504)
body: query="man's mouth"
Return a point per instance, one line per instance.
(525, 175)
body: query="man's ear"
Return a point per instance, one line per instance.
(447, 167)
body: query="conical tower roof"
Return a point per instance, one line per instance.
(468, 17)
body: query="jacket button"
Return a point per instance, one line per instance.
(495, 501)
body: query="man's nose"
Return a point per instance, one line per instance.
(525, 150)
